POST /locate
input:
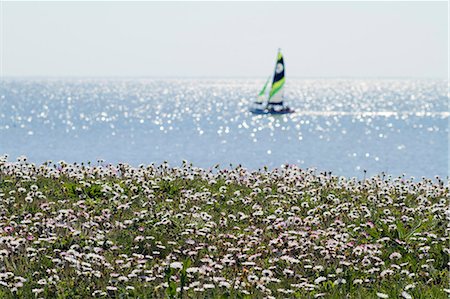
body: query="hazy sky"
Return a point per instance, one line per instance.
(318, 39)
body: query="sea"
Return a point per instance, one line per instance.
(350, 127)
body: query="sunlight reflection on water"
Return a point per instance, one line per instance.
(344, 126)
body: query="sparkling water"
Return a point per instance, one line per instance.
(343, 126)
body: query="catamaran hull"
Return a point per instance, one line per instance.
(271, 111)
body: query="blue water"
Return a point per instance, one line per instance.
(343, 126)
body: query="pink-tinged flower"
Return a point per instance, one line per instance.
(8, 229)
(395, 256)
(30, 238)
(370, 224)
(141, 228)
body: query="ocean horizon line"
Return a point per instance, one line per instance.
(113, 77)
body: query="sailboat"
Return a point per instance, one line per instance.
(274, 103)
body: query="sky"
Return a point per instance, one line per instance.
(224, 39)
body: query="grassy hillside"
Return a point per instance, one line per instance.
(82, 231)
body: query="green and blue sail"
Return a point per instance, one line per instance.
(276, 91)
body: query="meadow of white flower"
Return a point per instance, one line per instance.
(83, 231)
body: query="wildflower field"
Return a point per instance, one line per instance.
(84, 231)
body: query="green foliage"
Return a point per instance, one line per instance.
(90, 232)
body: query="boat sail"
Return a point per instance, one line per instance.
(262, 94)
(275, 103)
(276, 92)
